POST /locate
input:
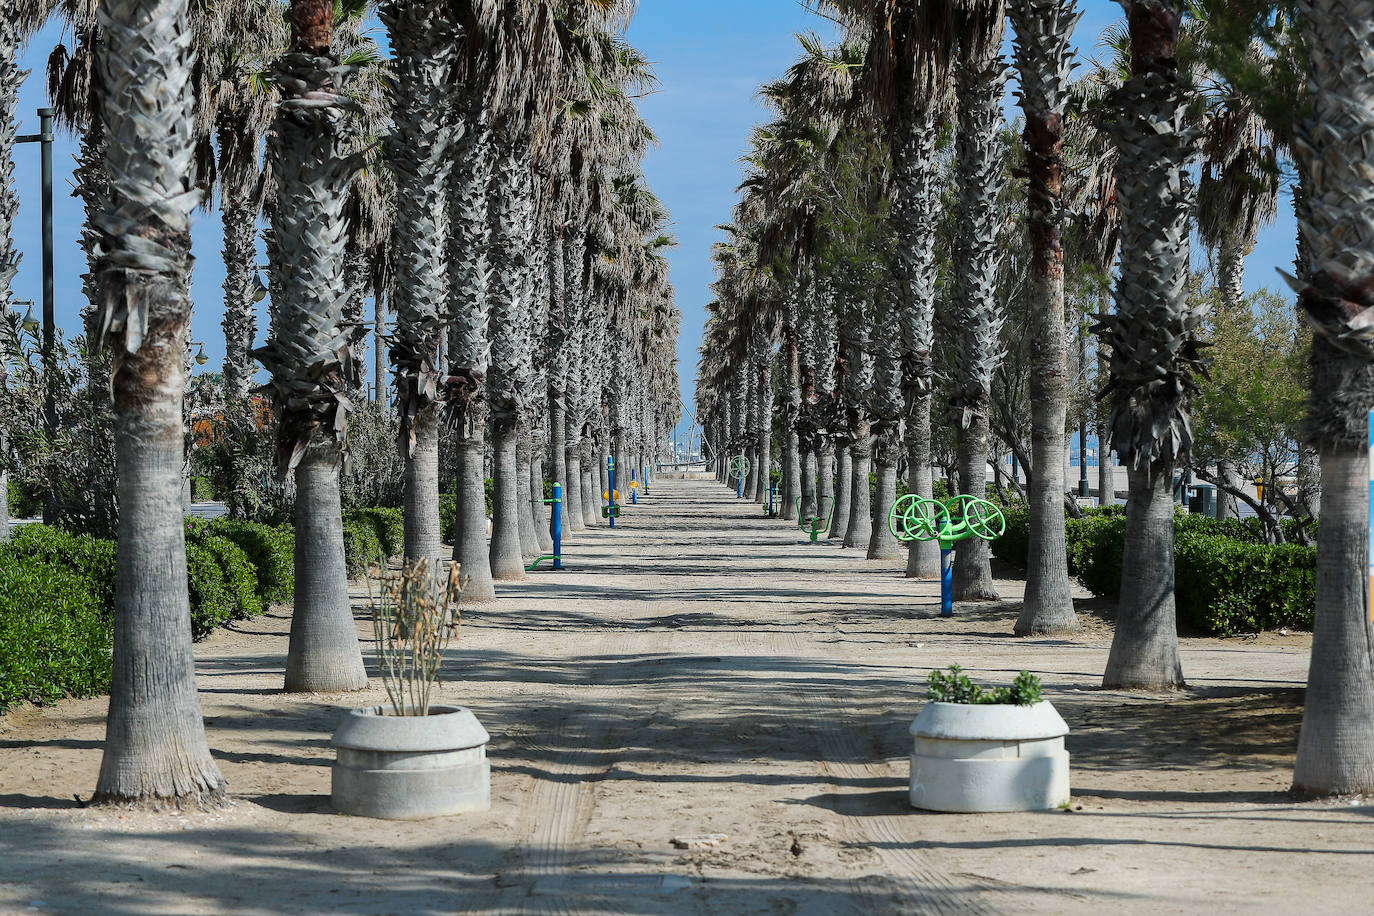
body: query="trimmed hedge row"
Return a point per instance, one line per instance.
(57, 593)
(1226, 580)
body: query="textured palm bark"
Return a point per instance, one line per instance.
(1155, 353)
(529, 539)
(1226, 503)
(558, 457)
(323, 655)
(923, 557)
(155, 748)
(841, 481)
(972, 563)
(507, 563)
(1144, 652)
(601, 453)
(809, 472)
(423, 537)
(541, 513)
(10, 80)
(591, 493)
(1043, 29)
(1106, 477)
(1336, 745)
(470, 543)
(881, 544)
(791, 442)
(860, 526)
(765, 428)
(573, 516)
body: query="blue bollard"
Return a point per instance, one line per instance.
(946, 582)
(634, 491)
(557, 526)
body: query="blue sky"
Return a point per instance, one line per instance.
(710, 56)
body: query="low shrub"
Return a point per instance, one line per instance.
(388, 524)
(955, 687)
(448, 517)
(55, 635)
(270, 550)
(1226, 586)
(89, 558)
(362, 548)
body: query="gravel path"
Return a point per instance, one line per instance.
(702, 670)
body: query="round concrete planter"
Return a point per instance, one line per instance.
(393, 766)
(989, 758)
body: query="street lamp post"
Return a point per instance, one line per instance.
(44, 138)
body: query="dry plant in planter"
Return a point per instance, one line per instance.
(411, 759)
(414, 617)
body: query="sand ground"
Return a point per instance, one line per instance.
(703, 670)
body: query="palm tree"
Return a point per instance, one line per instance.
(308, 355)
(1154, 350)
(1043, 57)
(978, 177)
(11, 78)
(1336, 745)
(155, 747)
(423, 43)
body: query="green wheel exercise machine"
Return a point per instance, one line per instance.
(739, 469)
(813, 525)
(914, 518)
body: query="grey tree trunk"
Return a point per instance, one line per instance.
(507, 563)
(323, 655)
(558, 456)
(923, 557)
(881, 544)
(573, 512)
(603, 473)
(972, 563)
(1231, 265)
(470, 545)
(1226, 503)
(860, 527)
(529, 538)
(1106, 476)
(542, 514)
(591, 493)
(10, 80)
(1309, 479)
(810, 470)
(841, 479)
(765, 429)
(155, 747)
(1043, 31)
(423, 537)
(1144, 652)
(1336, 745)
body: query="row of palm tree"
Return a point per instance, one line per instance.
(888, 219)
(485, 182)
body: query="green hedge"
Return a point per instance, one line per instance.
(272, 551)
(1226, 580)
(90, 559)
(55, 635)
(388, 525)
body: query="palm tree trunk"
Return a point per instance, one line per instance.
(810, 470)
(1106, 474)
(765, 429)
(323, 654)
(573, 513)
(841, 480)
(1231, 266)
(1226, 503)
(10, 80)
(881, 544)
(470, 546)
(923, 557)
(1336, 745)
(591, 514)
(529, 539)
(1145, 646)
(506, 557)
(1043, 32)
(972, 565)
(542, 514)
(423, 537)
(155, 747)
(860, 527)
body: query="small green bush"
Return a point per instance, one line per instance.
(203, 489)
(362, 548)
(448, 517)
(55, 636)
(270, 550)
(89, 558)
(955, 687)
(388, 524)
(1225, 586)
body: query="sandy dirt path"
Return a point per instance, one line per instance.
(703, 670)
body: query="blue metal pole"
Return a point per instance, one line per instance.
(610, 493)
(946, 582)
(634, 491)
(739, 482)
(557, 526)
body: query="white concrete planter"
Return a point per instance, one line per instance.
(393, 766)
(989, 758)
